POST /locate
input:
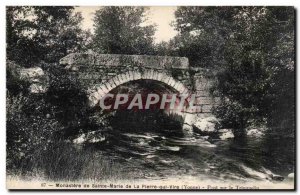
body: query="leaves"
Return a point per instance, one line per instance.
(42, 33)
(253, 50)
(122, 30)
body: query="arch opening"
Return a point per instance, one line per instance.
(116, 81)
(153, 120)
(144, 77)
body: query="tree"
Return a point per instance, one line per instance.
(253, 50)
(41, 33)
(203, 32)
(122, 30)
(37, 36)
(260, 58)
(191, 46)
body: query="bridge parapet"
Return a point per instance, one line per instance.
(94, 70)
(113, 60)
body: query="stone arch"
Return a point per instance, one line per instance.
(128, 76)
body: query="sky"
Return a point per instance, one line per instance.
(161, 16)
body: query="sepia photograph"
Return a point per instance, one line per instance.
(161, 98)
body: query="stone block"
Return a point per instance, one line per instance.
(207, 108)
(202, 93)
(204, 100)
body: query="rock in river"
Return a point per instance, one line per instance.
(226, 134)
(258, 133)
(206, 125)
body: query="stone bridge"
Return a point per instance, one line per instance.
(101, 73)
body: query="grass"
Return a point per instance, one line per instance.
(64, 161)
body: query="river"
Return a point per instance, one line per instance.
(155, 155)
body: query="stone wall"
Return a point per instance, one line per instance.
(203, 82)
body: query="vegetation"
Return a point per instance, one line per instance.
(40, 36)
(252, 48)
(122, 30)
(50, 33)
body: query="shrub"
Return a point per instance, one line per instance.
(67, 98)
(29, 130)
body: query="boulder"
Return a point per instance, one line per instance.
(36, 77)
(188, 124)
(80, 140)
(206, 125)
(31, 73)
(226, 134)
(37, 88)
(258, 133)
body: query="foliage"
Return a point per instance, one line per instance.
(122, 30)
(36, 121)
(252, 48)
(29, 129)
(42, 33)
(191, 46)
(38, 124)
(203, 32)
(253, 75)
(67, 98)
